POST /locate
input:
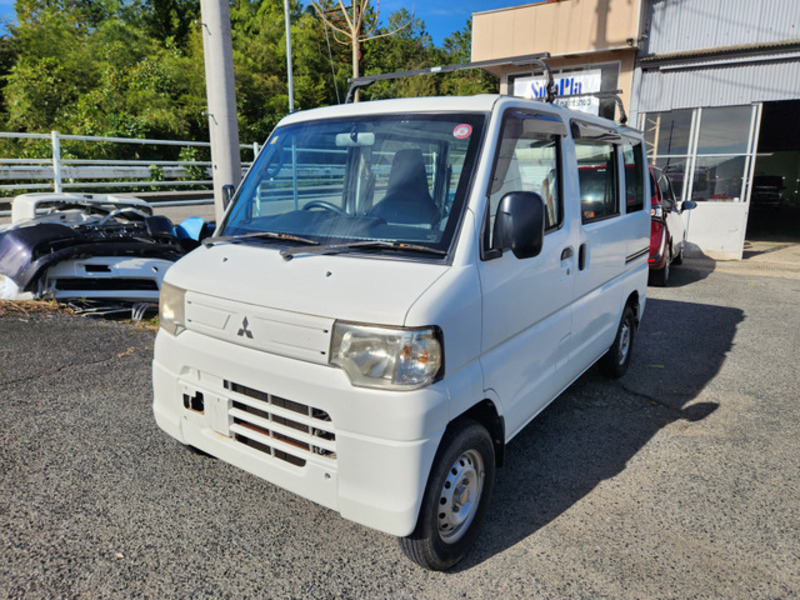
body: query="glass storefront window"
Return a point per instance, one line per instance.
(674, 169)
(667, 133)
(718, 178)
(724, 130)
(709, 151)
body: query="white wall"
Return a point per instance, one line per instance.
(716, 229)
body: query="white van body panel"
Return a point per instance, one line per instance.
(527, 324)
(343, 287)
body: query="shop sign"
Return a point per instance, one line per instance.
(566, 84)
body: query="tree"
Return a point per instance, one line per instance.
(457, 49)
(108, 78)
(134, 68)
(170, 19)
(412, 49)
(354, 25)
(407, 49)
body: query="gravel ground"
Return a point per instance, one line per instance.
(679, 481)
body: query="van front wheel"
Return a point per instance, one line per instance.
(615, 362)
(456, 498)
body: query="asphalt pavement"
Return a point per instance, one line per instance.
(681, 480)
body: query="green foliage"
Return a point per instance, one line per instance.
(134, 68)
(411, 48)
(170, 20)
(191, 155)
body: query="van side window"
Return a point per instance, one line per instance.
(527, 160)
(634, 176)
(597, 175)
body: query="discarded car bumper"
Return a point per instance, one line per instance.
(86, 249)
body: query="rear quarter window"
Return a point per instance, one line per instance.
(597, 176)
(633, 156)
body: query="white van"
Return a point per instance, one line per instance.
(396, 290)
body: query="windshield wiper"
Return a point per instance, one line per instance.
(288, 253)
(259, 235)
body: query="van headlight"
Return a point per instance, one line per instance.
(171, 308)
(388, 358)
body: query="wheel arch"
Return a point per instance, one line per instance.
(633, 302)
(485, 413)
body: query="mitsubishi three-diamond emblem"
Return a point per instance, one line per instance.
(244, 331)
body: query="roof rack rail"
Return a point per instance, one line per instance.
(518, 61)
(612, 94)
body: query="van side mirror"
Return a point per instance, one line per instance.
(519, 224)
(227, 194)
(688, 205)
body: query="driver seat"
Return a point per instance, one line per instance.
(407, 200)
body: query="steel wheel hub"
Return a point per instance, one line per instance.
(460, 496)
(624, 342)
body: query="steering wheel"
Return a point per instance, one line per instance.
(322, 204)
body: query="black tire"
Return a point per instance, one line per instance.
(660, 277)
(456, 498)
(614, 363)
(678, 260)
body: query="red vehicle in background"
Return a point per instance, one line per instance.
(667, 230)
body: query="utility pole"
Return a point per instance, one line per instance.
(288, 53)
(223, 126)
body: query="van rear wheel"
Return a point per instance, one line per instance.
(614, 363)
(456, 498)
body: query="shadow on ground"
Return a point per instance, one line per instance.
(591, 432)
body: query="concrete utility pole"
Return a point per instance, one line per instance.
(289, 53)
(221, 93)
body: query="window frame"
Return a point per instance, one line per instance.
(557, 135)
(638, 148)
(594, 134)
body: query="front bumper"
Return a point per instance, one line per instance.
(302, 426)
(123, 278)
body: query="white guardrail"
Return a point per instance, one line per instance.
(58, 174)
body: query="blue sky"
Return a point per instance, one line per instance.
(6, 13)
(442, 17)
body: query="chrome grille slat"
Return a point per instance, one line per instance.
(280, 427)
(290, 432)
(276, 410)
(268, 440)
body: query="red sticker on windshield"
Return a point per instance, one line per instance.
(463, 131)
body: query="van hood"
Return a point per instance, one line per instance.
(375, 289)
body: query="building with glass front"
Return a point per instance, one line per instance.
(715, 85)
(717, 92)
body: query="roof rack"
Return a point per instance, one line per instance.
(528, 60)
(535, 60)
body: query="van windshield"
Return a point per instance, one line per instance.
(401, 181)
